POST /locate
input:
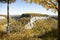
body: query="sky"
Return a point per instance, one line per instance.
(19, 7)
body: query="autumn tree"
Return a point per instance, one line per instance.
(48, 4)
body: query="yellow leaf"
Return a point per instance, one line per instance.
(55, 0)
(54, 10)
(26, 1)
(46, 6)
(48, 0)
(31, 1)
(38, 1)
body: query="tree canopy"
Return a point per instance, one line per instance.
(48, 4)
(5, 1)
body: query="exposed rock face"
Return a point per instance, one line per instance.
(33, 19)
(2, 17)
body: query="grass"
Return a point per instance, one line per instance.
(42, 30)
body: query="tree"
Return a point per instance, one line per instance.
(5, 1)
(8, 2)
(48, 4)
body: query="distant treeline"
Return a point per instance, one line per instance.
(55, 17)
(28, 15)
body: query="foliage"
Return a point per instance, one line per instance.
(42, 30)
(25, 15)
(36, 14)
(24, 20)
(5, 1)
(45, 25)
(48, 4)
(2, 23)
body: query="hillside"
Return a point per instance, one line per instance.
(55, 17)
(31, 27)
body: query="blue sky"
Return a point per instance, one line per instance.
(20, 7)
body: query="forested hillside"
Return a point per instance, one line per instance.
(44, 27)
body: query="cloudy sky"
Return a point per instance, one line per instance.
(20, 7)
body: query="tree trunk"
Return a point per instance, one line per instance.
(7, 14)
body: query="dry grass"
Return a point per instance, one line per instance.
(48, 28)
